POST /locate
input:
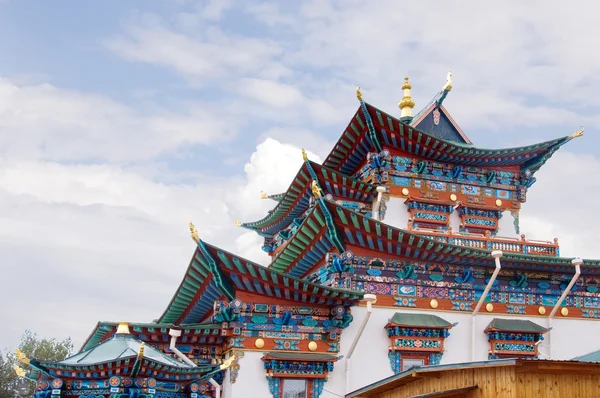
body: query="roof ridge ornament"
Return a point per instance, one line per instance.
(194, 233)
(238, 223)
(19, 370)
(578, 133)
(316, 190)
(141, 350)
(263, 195)
(304, 155)
(21, 357)
(448, 85)
(407, 103)
(359, 94)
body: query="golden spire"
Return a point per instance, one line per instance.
(194, 233)
(578, 133)
(317, 192)
(359, 94)
(21, 357)
(263, 195)
(123, 328)
(408, 103)
(238, 223)
(304, 155)
(141, 350)
(448, 85)
(19, 370)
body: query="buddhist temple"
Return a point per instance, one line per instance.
(402, 250)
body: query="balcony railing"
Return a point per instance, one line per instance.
(506, 244)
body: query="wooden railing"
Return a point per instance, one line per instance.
(506, 244)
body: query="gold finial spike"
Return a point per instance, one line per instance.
(359, 94)
(316, 190)
(263, 195)
(407, 103)
(578, 133)
(21, 357)
(448, 85)
(238, 223)
(141, 350)
(123, 328)
(19, 370)
(304, 155)
(228, 362)
(194, 233)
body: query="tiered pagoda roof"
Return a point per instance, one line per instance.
(356, 230)
(371, 128)
(214, 273)
(296, 199)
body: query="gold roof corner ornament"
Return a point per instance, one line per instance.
(359, 94)
(141, 351)
(578, 133)
(304, 155)
(263, 195)
(194, 233)
(448, 85)
(228, 362)
(407, 103)
(21, 357)
(238, 223)
(316, 190)
(19, 370)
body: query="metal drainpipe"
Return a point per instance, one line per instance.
(496, 254)
(377, 205)
(174, 335)
(370, 299)
(577, 263)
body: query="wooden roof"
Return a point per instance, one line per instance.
(228, 274)
(374, 128)
(308, 249)
(295, 200)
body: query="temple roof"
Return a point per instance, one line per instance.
(126, 353)
(121, 346)
(351, 228)
(142, 331)
(371, 129)
(212, 266)
(418, 320)
(515, 325)
(295, 200)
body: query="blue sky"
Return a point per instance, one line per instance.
(121, 121)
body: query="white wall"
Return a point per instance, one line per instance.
(569, 338)
(251, 381)
(396, 214)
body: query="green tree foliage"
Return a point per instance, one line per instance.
(42, 349)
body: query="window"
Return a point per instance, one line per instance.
(409, 362)
(294, 388)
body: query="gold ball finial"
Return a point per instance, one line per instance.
(194, 233)
(304, 155)
(406, 84)
(238, 223)
(359, 94)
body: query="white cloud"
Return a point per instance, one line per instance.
(45, 122)
(271, 93)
